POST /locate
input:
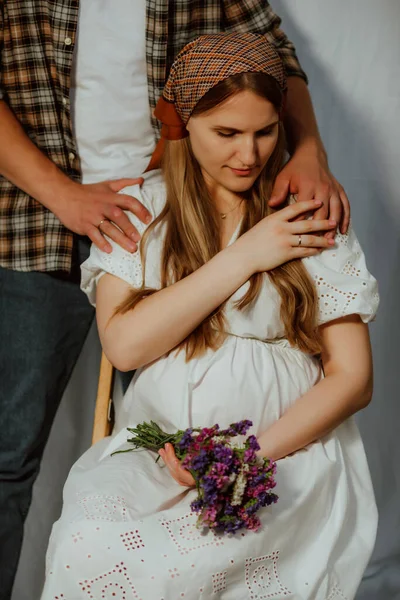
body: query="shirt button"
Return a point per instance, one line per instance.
(65, 101)
(68, 41)
(71, 156)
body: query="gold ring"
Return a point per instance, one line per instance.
(101, 223)
(299, 244)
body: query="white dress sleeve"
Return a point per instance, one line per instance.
(120, 262)
(344, 284)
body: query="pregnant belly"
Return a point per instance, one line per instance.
(245, 378)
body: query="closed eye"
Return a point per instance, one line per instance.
(265, 132)
(226, 135)
(261, 133)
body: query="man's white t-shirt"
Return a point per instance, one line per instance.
(109, 100)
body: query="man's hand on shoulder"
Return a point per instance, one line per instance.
(97, 209)
(307, 175)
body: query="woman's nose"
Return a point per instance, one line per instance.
(247, 152)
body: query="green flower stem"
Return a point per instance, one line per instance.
(150, 436)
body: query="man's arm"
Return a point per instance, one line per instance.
(79, 207)
(307, 172)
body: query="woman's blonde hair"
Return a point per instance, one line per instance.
(192, 235)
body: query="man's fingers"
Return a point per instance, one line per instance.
(134, 206)
(307, 192)
(335, 212)
(98, 239)
(112, 231)
(129, 202)
(321, 213)
(124, 201)
(116, 215)
(346, 210)
(279, 192)
(118, 184)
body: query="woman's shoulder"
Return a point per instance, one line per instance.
(342, 279)
(152, 194)
(121, 263)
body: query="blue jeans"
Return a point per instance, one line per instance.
(44, 320)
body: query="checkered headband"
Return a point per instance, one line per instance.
(202, 64)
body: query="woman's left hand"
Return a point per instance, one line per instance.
(181, 475)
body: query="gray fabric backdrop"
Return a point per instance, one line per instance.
(351, 52)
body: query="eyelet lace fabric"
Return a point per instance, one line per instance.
(121, 263)
(344, 284)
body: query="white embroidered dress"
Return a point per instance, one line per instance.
(126, 530)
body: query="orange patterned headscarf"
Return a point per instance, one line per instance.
(200, 66)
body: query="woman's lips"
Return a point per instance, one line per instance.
(242, 172)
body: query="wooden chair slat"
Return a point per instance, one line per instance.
(103, 421)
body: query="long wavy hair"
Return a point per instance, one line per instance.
(192, 231)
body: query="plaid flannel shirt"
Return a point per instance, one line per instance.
(37, 39)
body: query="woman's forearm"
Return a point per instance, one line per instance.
(316, 413)
(163, 320)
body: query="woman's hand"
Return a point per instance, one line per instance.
(181, 475)
(279, 238)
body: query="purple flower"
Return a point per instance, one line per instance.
(259, 479)
(253, 508)
(229, 509)
(265, 498)
(219, 469)
(186, 439)
(232, 526)
(197, 505)
(241, 427)
(209, 486)
(253, 443)
(223, 454)
(200, 462)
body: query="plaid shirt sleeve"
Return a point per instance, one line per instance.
(257, 16)
(1, 43)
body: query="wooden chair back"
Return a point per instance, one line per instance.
(103, 414)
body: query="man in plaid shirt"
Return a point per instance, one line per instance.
(53, 197)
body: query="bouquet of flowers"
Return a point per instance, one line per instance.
(232, 482)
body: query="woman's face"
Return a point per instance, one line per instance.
(234, 141)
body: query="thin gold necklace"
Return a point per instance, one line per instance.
(223, 215)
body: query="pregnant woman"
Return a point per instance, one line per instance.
(229, 311)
